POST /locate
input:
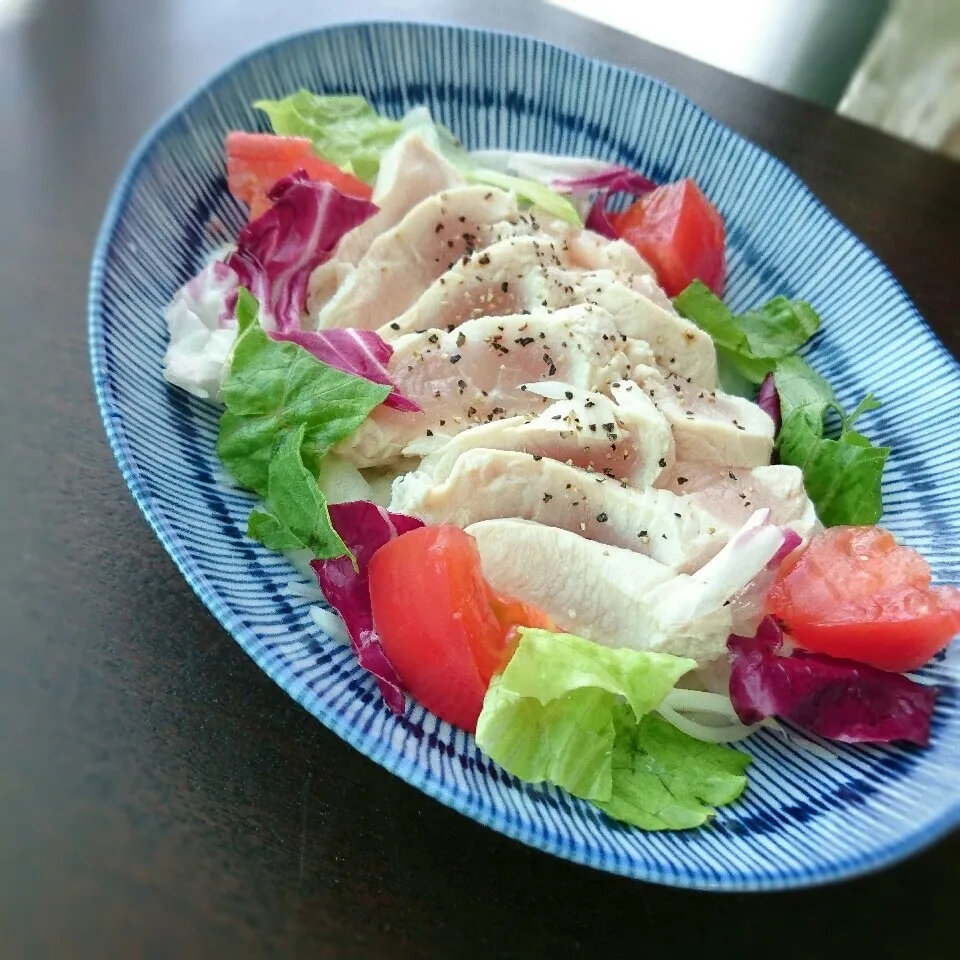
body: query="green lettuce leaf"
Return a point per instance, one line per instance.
(345, 130)
(750, 344)
(539, 194)
(296, 515)
(272, 387)
(663, 779)
(576, 714)
(842, 476)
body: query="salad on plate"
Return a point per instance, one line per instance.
(554, 489)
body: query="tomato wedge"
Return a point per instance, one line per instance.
(679, 233)
(256, 161)
(856, 593)
(440, 624)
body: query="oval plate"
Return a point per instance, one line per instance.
(805, 818)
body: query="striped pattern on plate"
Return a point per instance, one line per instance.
(806, 818)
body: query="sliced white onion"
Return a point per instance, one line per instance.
(330, 624)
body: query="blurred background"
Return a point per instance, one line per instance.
(893, 64)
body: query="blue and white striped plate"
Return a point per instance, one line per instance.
(805, 818)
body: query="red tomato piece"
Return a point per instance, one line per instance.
(856, 593)
(440, 624)
(256, 161)
(679, 233)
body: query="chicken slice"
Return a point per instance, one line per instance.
(526, 272)
(619, 598)
(708, 426)
(410, 171)
(581, 428)
(477, 374)
(404, 260)
(731, 495)
(489, 484)
(494, 281)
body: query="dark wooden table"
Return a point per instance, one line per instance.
(159, 796)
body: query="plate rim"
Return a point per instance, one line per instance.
(473, 806)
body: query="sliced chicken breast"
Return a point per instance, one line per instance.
(526, 272)
(410, 171)
(730, 496)
(581, 428)
(709, 426)
(477, 373)
(489, 484)
(616, 597)
(404, 260)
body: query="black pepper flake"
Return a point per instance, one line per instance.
(488, 195)
(450, 244)
(461, 339)
(589, 403)
(677, 515)
(557, 417)
(524, 341)
(429, 433)
(547, 497)
(462, 384)
(739, 427)
(593, 427)
(537, 456)
(602, 518)
(543, 336)
(484, 259)
(394, 326)
(505, 286)
(471, 411)
(742, 496)
(436, 394)
(608, 471)
(462, 219)
(546, 358)
(608, 427)
(455, 358)
(438, 228)
(568, 394)
(443, 423)
(434, 337)
(663, 463)
(663, 536)
(500, 348)
(747, 504)
(731, 475)
(523, 387)
(552, 372)
(681, 481)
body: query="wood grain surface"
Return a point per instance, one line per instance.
(159, 796)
